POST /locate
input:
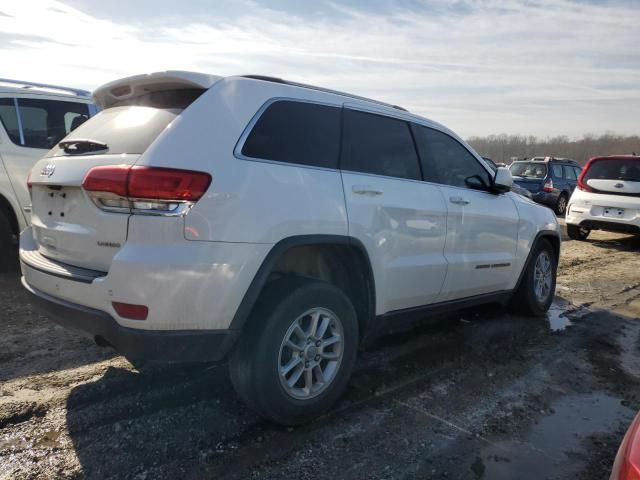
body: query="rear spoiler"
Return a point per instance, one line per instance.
(122, 91)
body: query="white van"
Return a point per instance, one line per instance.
(33, 118)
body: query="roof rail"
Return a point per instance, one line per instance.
(265, 78)
(28, 85)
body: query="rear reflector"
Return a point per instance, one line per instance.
(131, 311)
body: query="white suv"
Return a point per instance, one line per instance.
(33, 118)
(197, 218)
(607, 197)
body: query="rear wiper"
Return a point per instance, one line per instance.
(78, 146)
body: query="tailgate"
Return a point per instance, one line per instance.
(67, 225)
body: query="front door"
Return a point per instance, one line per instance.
(482, 227)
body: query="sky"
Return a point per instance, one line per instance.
(534, 67)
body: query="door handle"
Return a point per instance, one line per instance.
(458, 200)
(365, 190)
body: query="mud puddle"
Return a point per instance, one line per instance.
(546, 449)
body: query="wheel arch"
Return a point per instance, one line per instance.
(340, 249)
(552, 237)
(7, 208)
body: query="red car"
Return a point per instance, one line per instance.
(627, 463)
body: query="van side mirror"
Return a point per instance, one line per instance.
(502, 181)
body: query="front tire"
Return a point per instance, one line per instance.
(575, 232)
(537, 288)
(296, 355)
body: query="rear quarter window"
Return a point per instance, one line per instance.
(295, 132)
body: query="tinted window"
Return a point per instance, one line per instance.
(380, 145)
(296, 132)
(9, 119)
(614, 169)
(445, 160)
(557, 171)
(44, 122)
(569, 172)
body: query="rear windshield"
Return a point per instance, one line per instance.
(614, 169)
(528, 169)
(128, 129)
(133, 125)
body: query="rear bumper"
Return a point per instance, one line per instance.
(163, 346)
(610, 226)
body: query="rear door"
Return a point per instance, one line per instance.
(399, 218)
(33, 126)
(482, 227)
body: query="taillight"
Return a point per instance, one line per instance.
(548, 186)
(145, 190)
(581, 183)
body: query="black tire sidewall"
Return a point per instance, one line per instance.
(271, 396)
(557, 209)
(534, 305)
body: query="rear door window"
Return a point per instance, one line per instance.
(379, 145)
(296, 132)
(46, 122)
(557, 171)
(569, 172)
(447, 161)
(9, 119)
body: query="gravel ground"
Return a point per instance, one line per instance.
(478, 394)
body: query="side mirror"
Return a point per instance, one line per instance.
(502, 181)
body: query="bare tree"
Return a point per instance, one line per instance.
(504, 148)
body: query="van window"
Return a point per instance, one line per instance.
(445, 160)
(9, 119)
(301, 133)
(380, 145)
(44, 121)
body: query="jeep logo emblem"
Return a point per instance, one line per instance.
(48, 170)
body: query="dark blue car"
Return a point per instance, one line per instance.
(550, 180)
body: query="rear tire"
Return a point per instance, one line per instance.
(8, 250)
(537, 288)
(576, 232)
(561, 205)
(281, 367)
